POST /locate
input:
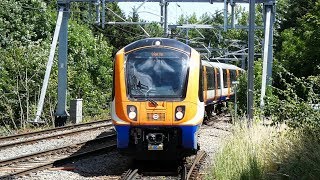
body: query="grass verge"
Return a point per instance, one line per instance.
(265, 153)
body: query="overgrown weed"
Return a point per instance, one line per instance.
(267, 153)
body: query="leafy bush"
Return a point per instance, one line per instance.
(242, 89)
(90, 72)
(287, 100)
(292, 102)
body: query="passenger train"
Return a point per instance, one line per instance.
(161, 90)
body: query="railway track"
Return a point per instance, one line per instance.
(130, 174)
(26, 164)
(29, 138)
(187, 171)
(192, 172)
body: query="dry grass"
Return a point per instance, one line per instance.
(266, 153)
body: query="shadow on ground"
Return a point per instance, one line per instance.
(104, 163)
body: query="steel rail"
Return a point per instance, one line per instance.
(62, 150)
(130, 174)
(194, 169)
(25, 135)
(52, 136)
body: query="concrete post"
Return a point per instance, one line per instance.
(76, 111)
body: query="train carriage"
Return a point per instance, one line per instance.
(160, 88)
(217, 86)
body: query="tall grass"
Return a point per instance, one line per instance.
(265, 153)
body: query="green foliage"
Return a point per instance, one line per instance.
(290, 102)
(242, 88)
(122, 35)
(217, 37)
(300, 38)
(298, 156)
(90, 72)
(154, 30)
(22, 71)
(23, 21)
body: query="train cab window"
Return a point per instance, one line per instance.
(156, 73)
(218, 77)
(225, 78)
(210, 78)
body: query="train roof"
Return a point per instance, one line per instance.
(221, 65)
(162, 42)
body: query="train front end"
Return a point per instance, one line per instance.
(157, 105)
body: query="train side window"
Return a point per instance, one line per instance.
(210, 78)
(233, 75)
(225, 78)
(201, 79)
(239, 73)
(202, 76)
(218, 77)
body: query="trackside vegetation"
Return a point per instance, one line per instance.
(268, 153)
(286, 148)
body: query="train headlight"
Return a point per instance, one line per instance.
(132, 115)
(179, 113)
(132, 112)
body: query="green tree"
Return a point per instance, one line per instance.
(23, 21)
(90, 72)
(299, 50)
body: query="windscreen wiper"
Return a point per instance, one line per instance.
(142, 86)
(153, 102)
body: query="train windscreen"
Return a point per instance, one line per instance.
(158, 73)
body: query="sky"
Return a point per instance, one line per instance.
(150, 11)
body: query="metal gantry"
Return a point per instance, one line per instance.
(250, 87)
(269, 18)
(61, 31)
(49, 65)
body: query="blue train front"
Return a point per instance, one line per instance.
(157, 106)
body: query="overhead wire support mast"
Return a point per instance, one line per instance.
(49, 65)
(267, 51)
(61, 113)
(103, 13)
(251, 61)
